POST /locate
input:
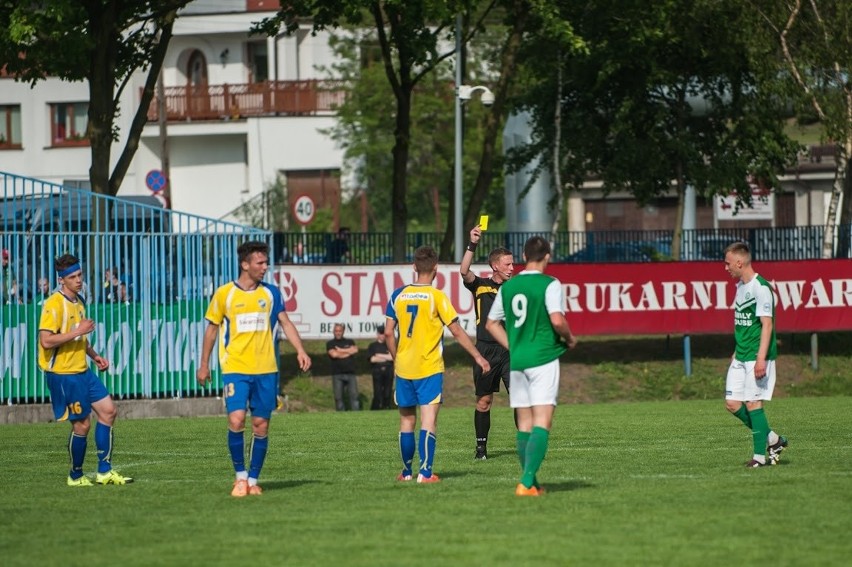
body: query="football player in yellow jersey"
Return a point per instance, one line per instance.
(421, 312)
(75, 390)
(243, 314)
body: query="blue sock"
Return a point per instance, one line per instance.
(77, 452)
(103, 441)
(406, 450)
(427, 452)
(236, 444)
(257, 455)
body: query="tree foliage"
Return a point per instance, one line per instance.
(661, 93)
(812, 41)
(365, 131)
(103, 42)
(409, 35)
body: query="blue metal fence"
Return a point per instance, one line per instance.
(149, 272)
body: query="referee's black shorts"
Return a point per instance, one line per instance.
(498, 358)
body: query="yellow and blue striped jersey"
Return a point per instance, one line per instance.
(421, 312)
(61, 315)
(246, 321)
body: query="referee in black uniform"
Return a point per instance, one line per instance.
(484, 291)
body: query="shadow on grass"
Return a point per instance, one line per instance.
(446, 475)
(503, 453)
(284, 484)
(568, 486)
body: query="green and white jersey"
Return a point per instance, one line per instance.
(525, 303)
(753, 301)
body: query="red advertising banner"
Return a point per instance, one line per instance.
(646, 298)
(697, 297)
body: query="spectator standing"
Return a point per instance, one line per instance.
(299, 255)
(42, 291)
(110, 286)
(9, 292)
(338, 249)
(382, 367)
(484, 291)
(123, 296)
(421, 311)
(751, 375)
(536, 334)
(342, 353)
(244, 314)
(75, 390)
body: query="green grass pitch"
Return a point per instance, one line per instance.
(656, 483)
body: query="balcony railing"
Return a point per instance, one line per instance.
(268, 98)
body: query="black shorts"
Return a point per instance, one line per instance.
(498, 358)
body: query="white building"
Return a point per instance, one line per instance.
(243, 110)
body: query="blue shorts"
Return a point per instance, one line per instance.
(420, 392)
(257, 392)
(72, 395)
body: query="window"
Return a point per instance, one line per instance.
(10, 126)
(68, 121)
(258, 62)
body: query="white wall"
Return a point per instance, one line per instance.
(37, 158)
(252, 153)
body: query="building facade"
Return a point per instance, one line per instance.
(241, 112)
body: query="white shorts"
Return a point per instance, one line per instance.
(740, 384)
(537, 386)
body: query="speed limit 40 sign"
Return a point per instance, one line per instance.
(304, 210)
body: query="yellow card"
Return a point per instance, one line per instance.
(483, 222)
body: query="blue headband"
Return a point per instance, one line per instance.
(69, 270)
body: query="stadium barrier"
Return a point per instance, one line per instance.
(148, 274)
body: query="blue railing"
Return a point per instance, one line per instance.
(148, 274)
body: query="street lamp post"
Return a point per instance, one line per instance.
(463, 94)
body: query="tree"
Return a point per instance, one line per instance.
(365, 125)
(538, 18)
(364, 129)
(103, 42)
(516, 15)
(410, 36)
(665, 94)
(815, 51)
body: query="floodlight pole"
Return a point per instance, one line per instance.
(463, 93)
(457, 187)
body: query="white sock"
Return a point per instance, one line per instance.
(772, 438)
(760, 458)
(242, 475)
(252, 481)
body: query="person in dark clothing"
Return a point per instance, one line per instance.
(338, 249)
(484, 291)
(382, 366)
(342, 353)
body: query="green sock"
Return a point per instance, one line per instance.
(742, 415)
(759, 430)
(536, 450)
(522, 437)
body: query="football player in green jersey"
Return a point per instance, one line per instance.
(751, 375)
